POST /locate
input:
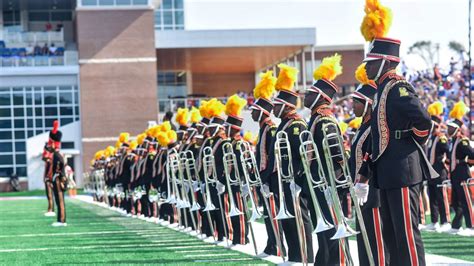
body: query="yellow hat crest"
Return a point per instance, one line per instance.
(234, 105)
(286, 77)
(329, 69)
(266, 87)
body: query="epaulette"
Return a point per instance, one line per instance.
(295, 122)
(465, 141)
(443, 139)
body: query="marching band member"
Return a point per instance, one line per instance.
(291, 123)
(318, 99)
(437, 150)
(47, 157)
(261, 111)
(218, 138)
(461, 157)
(399, 126)
(234, 121)
(58, 174)
(362, 105)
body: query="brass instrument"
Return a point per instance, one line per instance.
(334, 151)
(309, 154)
(210, 177)
(286, 176)
(252, 178)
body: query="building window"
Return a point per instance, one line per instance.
(26, 112)
(171, 85)
(170, 15)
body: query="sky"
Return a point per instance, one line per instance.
(338, 21)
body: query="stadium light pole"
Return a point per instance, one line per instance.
(470, 74)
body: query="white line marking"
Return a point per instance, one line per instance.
(229, 259)
(211, 255)
(77, 233)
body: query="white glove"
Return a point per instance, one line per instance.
(265, 190)
(196, 186)
(220, 188)
(245, 191)
(362, 192)
(328, 196)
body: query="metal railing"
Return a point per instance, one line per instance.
(69, 58)
(49, 37)
(113, 3)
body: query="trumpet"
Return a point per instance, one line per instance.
(334, 151)
(249, 165)
(210, 177)
(230, 162)
(283, 153)
(309, 154)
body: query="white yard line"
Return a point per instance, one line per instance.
(78, 233)
(260, 235)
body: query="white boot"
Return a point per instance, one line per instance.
(49, 214)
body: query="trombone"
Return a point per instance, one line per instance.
(310, 154)
(186, 186)
(172, 168)
(230, 163)
(210, 178)
(286, 176)
(250, 169)
(334, 151)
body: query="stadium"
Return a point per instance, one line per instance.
(183, 132)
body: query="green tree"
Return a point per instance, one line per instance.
(426, 50)
(458, 48)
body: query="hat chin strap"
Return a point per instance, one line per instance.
(366, 105)
(315, 102)
(281, 111)
(260, 115)
(380, 69)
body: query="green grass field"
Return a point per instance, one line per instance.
(98, 236)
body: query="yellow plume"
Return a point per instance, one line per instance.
(162, 138)
(109, 151)
(124, 136)
(329, 69)
(203, 109)
(249, 137)
(133, 144)
(355, 123)
(234, 105)
(172, 136)
(141, 138)
(182, 116)
(361, 75)
(98, 155)
(118, 144)
(215, 108)
(286, 77)
(166, 126)
(435, 108)
(195, 115)
(459, 110)
(377, 20)
(266, 87)
(343, 127)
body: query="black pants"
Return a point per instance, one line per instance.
(400, 212)
(237, 225)
(205, 226)
(290, 229)
(271, 248)
(439, 205)
(373, 227)
(462, 204)
(329, 251)
(59, 198)
(48, 187)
